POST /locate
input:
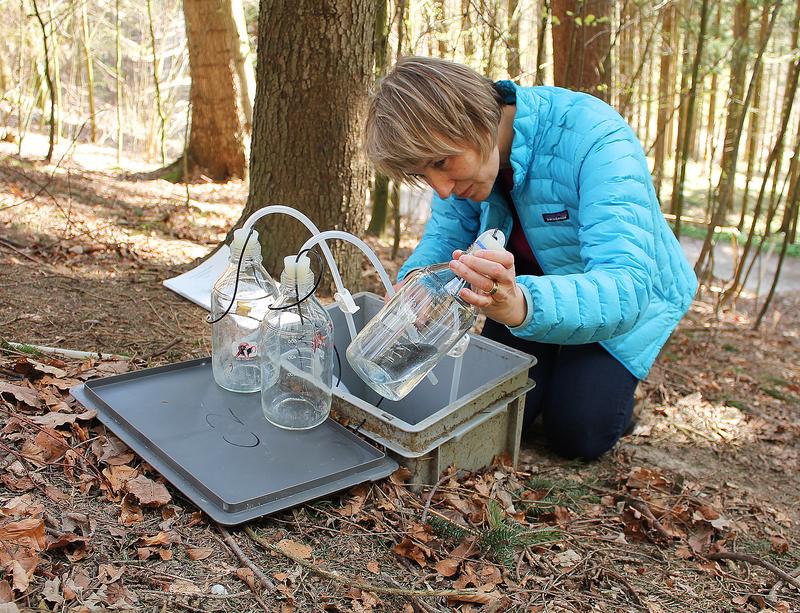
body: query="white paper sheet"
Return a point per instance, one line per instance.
(196, 284)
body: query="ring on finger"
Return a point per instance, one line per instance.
(492, 291)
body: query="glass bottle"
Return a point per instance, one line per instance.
(421, 323)
(297, 341)
(236, 313)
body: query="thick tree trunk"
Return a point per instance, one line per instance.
(219, 140)
(581, 46)
(314, 70)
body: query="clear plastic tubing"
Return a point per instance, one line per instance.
(345, 236)
(337, 278)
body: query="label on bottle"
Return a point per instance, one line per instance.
(242, 350)
(243, 308)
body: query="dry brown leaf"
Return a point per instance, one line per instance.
(408, 549)
(400, 476)
(20, 578)
(248, 576)
(27, 532)
(447, 567)
(62, 384)
(54, 420)
(6, 593)
(21, 393)
(22, 505)
(108, 573)
(118, 476)
(56, 495)
(113, 451)
(295, 549)
(165, 554)
(373, 567)
(52, 591)
(149, 493)
(74, 522)
(130, 512)
(48, 369)
(144, 552)
(162, 538)
(182, 586)
(198, 553)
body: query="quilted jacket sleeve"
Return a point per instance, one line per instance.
(454, 224)
(616, 246)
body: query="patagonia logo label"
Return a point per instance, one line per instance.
(560, 216)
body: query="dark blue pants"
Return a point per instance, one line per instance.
(584, 395)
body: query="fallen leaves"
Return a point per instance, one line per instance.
(148, 492)
(295, 549)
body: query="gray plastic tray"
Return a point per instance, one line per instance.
(216, 447)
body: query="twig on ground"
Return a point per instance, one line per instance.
(433, 491)
(362, 585)
(617, 577)
(641, 506)
(8, 245)
(746, 557)
(772, 597)
(163, 349)
(230, 542)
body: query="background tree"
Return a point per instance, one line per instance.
(314, 69)
(582, 45)
(222, 80)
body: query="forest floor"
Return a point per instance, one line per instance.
(711, 469)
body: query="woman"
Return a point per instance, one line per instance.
(593, 281)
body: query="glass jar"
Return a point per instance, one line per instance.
(297, 343)
(239, 303)
(421, 323)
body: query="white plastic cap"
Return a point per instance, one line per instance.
(295, 269)
(253, 248)
(491, 240)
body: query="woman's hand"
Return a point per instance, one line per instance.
(494, 285)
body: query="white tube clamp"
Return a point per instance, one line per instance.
(345, 301)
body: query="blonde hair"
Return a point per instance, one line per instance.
(426, 109)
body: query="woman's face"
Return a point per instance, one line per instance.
(463, 175)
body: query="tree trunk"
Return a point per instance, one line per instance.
(540, 41)
(724, 196)
(118, 80)
(677, 195)
(159, 106)
(379, 196)
(754, 121)
(741, 21)
(314, 70)
(665, 93)
(582, 45)
(87, 56)
(512, 43)
(682, 120)
(49, 156)
(466, 30)
(219, 140)
(712, 92)
(440, 29)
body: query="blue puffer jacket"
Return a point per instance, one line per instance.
(614, 272)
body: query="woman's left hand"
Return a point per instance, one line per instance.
(494, 284)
